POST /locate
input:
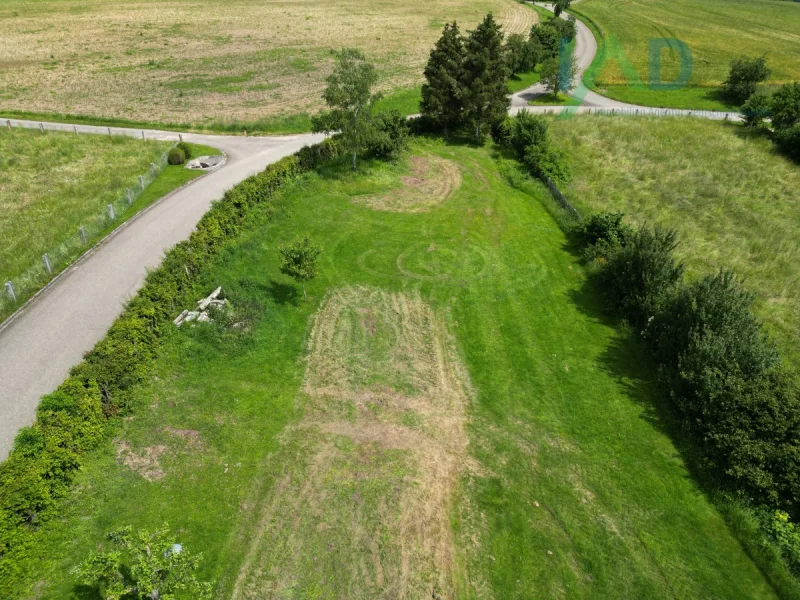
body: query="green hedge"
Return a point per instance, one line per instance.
(81, 413)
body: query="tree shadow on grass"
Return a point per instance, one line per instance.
(625, 358)
(85, 592)
(283, 293)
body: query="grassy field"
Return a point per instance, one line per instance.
(54, 183)
(446, 416)
(715, 32)
(731, 197)
(256, 65)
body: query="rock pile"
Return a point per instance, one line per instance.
(204, 307)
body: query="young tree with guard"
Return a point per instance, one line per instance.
(299, 261)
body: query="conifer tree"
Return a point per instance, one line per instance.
(443, 93)
(485, 77)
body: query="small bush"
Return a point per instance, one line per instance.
(638, 279)
(603, 234)
(544, 161)
(187, 150)
(521, 132)
(786, 106)
(745, 74)
(391, 135)
(787, 536)
(789, 142)
(176, 157)
(757, 108)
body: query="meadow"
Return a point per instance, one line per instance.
(732, 198)
(248, 65)
(55, 183)
(715, 32)
(447, 415)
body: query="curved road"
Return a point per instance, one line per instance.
(40, 343)
(592, 102)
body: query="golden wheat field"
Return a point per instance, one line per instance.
(203, 61)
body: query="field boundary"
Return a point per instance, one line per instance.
(96, 246)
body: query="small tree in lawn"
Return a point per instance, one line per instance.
(299, 261)
(744, 76)
(349, 95)
(558, 74)
(147, 565)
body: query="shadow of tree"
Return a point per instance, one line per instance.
(85, 592)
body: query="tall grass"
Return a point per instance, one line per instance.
(732, 198)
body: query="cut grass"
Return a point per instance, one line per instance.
(715, 31)
(569, 486)
(261, 67)
(58, 182)
(733, 200)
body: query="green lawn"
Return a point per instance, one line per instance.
(732, 198)
(447, 415)
(715, 31)
(54, 183)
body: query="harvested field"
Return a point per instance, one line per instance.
(205, 62)
(430, 181)
(374, 459)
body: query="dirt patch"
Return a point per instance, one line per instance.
(363, 508)
(430, 182)
(145, 464)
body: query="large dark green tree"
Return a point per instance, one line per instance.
(485, 77)
(443, 92)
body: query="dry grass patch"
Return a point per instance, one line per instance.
(211, 61)
(361, 508)
(431, 180)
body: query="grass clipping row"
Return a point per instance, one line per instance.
(430, 181)
(360, 508)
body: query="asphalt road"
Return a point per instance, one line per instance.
(592, 102)
(39, 344)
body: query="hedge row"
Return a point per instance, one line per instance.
(726, 382)
(80, 414)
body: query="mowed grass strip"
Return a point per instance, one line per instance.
(732, 198)
(261, 65)
(715, 31)
(446, 413)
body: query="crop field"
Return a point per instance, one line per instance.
(731, 197)
(208, 63)
(715, 31)
(448, 415)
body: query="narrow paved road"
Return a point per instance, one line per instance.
(41, 343)
(592, 102)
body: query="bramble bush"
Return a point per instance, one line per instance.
(81, 413)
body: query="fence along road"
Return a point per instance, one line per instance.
(40, 343)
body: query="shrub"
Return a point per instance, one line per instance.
(638, 279)
(523, 131)
(187, 150)
(391, 135)
(786, 106)
(176, 156)
(744, 75)
(713, 316)
(757, 108)
(789, 141)
(602, 234)
(546, 162)
(787, 536)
